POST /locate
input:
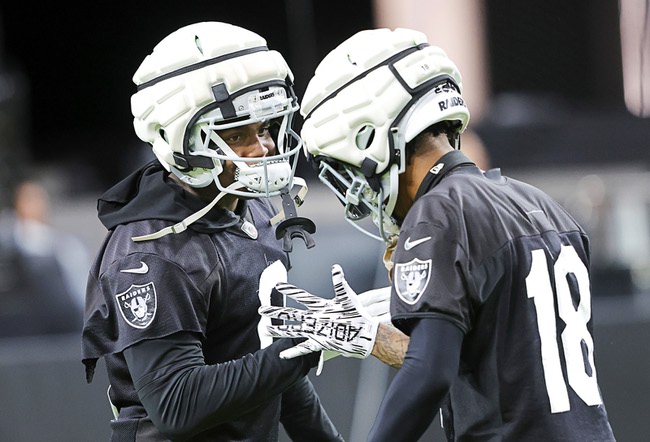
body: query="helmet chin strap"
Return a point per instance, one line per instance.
(390, 238)
(290, 225)
(393, 189)
(384, 222)
(183, 225)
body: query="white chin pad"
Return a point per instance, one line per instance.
(265, 176)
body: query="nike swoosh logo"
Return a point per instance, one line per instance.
(408, 245)
(144, 268)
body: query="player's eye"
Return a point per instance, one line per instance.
(231, 138)
(264, 129)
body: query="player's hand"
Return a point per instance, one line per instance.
(340, 325)
(376, 303)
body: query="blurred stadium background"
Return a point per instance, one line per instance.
(560, 97)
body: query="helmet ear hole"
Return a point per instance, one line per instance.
(364, 137)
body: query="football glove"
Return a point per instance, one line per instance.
(339, 325)
(376, 303)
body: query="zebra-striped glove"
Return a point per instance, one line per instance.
(338, 325)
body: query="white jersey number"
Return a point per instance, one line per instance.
(576, 341)
(272, 275)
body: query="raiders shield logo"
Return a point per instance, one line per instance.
(138, 305)
(411, 279)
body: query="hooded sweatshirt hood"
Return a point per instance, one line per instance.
(146, 194)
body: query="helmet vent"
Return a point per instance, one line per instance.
(197, 42)
(364, 137)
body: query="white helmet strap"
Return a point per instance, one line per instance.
(183, 225)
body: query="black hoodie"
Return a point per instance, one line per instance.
(201, 285)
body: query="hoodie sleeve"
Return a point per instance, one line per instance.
(303, 416)
(183, 396)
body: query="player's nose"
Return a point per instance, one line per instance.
(260, 147)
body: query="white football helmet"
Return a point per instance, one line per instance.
(370, 96)
(207, 77)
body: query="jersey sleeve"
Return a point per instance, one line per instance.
(429, 274)
(421, 384)
(140, 296)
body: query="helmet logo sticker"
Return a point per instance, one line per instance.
(411, 279)
(138, 305)
(451, 102)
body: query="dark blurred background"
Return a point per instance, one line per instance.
(70, 69)
(554, 68)
(560, 97)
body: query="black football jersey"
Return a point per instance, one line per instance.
(204, 280)
(510, 267)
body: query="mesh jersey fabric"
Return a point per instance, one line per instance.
(464, 254)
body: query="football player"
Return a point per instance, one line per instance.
(490, 276)
(191, 251)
